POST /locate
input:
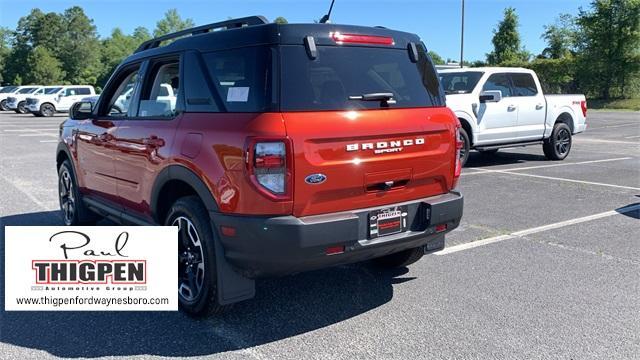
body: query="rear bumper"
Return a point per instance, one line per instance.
(580, 128)
(33, 107)
(274, 246)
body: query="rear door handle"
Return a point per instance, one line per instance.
(153, 141)
(539, 106)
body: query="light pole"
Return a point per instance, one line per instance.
(462, 37)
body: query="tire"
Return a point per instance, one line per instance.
(558, 145)
(197, 274)
(47, 110)
(3, 105)
(488, 152)
(400, 259)
(74, 212)
(466, 146)
(22, 107)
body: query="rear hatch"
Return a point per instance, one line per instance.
(368, 124)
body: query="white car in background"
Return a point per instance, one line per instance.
(6, 92)
(59, 100)
(17, 101)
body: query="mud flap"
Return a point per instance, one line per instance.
(232, 287)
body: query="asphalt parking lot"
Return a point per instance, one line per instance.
(546, 264)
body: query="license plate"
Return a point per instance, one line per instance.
(387, 221)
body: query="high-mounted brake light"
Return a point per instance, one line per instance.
(458, 164)
(340, 38)
(269, 166)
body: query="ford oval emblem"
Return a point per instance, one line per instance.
(315, 179)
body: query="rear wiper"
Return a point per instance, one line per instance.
(385, 99)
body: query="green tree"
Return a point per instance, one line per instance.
(5, 49)
(42, 68)
(437, 59)
(506, 41)
(117, 47)
(34, 29)
(609, 47)
(171, 22)
(280, 20)
(561, 37)
(79, 52)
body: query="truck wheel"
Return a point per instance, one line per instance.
(74, 212)
(197, 275)
(3, 105)
(557, 146)
(466, 146)
(400, 259)
(47, 110)
(22, 107)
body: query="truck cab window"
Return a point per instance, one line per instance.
(499, 82)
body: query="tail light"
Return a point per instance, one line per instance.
(458, 164)
(269, 163)
(583, 105)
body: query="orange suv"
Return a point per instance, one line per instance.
(274, 148)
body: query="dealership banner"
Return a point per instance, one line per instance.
(91, 268)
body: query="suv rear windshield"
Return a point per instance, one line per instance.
(460, 82)
(327, 82)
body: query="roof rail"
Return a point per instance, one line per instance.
(227, 24)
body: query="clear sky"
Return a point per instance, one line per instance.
(437, 22)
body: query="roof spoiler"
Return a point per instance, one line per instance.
(225, 25)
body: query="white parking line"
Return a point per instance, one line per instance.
(481, 171)
(38, 134)
(30, 130)
(521, 233)
(563, 179)
(632, 137)
(603, 141)
(48, 141)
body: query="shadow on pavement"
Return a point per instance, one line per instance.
(283, 308)
(502, 157)
(632, 214)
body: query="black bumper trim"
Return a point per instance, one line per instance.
(272, 246)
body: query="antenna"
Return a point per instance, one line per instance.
(325, 18)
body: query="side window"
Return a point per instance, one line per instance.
(71, 92)
(160, 90)
(83, 91)
(39, 92)
(524, 85)
(498, 82)
(242, 78)
(120, 98)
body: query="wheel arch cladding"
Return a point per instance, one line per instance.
(566, 118)
(176, 181)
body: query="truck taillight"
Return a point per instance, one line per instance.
(583, 105)
(458, 164)
(269, 166)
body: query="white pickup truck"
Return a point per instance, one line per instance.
(57, 99)
(504, 107)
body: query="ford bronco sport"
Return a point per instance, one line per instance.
(285, 148)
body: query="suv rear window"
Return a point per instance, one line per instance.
(339, 72)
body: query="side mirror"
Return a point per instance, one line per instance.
(81, 110)
(490, 96)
